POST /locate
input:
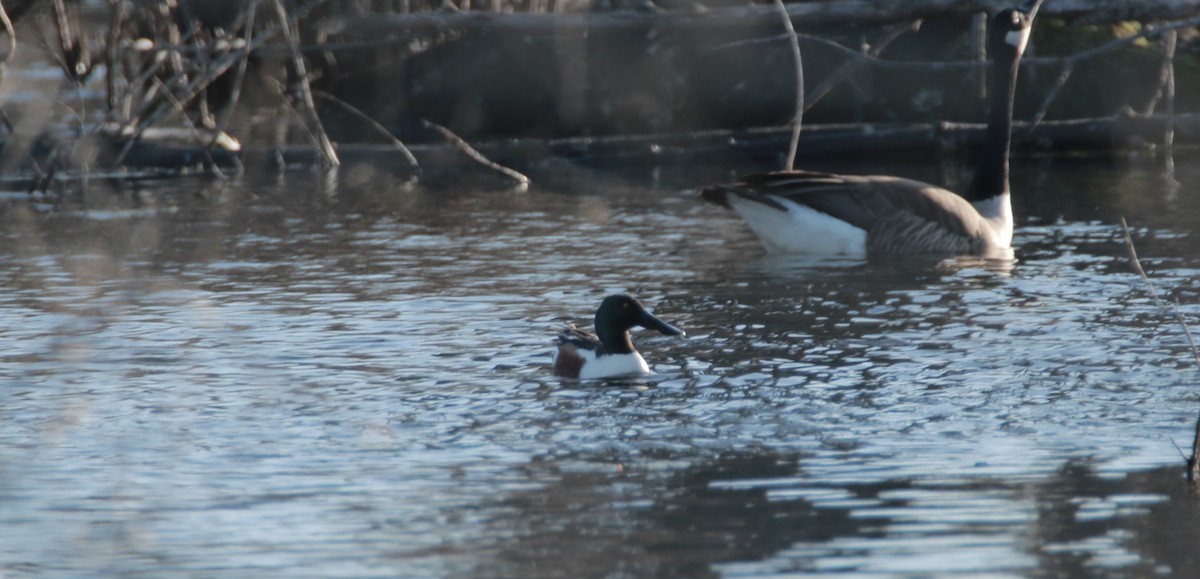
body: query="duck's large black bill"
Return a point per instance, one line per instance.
(650, 322)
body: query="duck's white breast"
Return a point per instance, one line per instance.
(612, 365)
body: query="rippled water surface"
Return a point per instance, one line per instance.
(319, 377)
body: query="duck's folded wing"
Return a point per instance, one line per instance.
(573, 337)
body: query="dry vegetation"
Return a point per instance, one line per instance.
(185, 83)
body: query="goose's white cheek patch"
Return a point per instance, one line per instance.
(1018, 38)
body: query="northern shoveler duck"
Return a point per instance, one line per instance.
(609, 352)
(823, 213)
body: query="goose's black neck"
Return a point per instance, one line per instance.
(991, 176)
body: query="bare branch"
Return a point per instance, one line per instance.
(212, 164)
(1193, 463)
(12, 35)
(1169, 136)
(798, 118)
(1059, 83)
(306, 98)
(240, 76)
(847, 68)
(947, 65)
(378, 128)
(465, 147)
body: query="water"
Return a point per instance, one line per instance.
(313, 377)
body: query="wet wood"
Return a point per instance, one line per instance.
(478, 157)
(1091, 135)
(846, 12)
(1193, 462)
(648, 86)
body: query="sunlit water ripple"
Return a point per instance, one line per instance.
(310, 384)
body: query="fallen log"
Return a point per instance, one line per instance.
(847, 12)
(927, 140)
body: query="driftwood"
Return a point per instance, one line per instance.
(172, 152)
(474, 154)
(852, 12)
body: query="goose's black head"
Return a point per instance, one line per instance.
(619, 313)
(1011, 27)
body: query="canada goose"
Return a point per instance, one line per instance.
(823, 213)
(608, 353)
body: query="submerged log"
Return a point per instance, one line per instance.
(767, 145)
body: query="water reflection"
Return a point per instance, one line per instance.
(655, 524)
(762, 513)
(351, 377)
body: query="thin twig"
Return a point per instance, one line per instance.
(1169, 134)
(799, 62)
(115, 24)
(849, 67)
(199, 138)
(979, 46)
(188, 93)
(1145, 32)
(1051, 95)
(1193, 463)
(12, 35)
(70, 50)
(1164, 70)
(378, 128)
(1137, 264)
(1068, 62)
(150, 114)
(20, 148)
(71, 58)
(12, 49)
(239, 77)
(836, 77)
(306, 98)
(470, 151)
(149, 103)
